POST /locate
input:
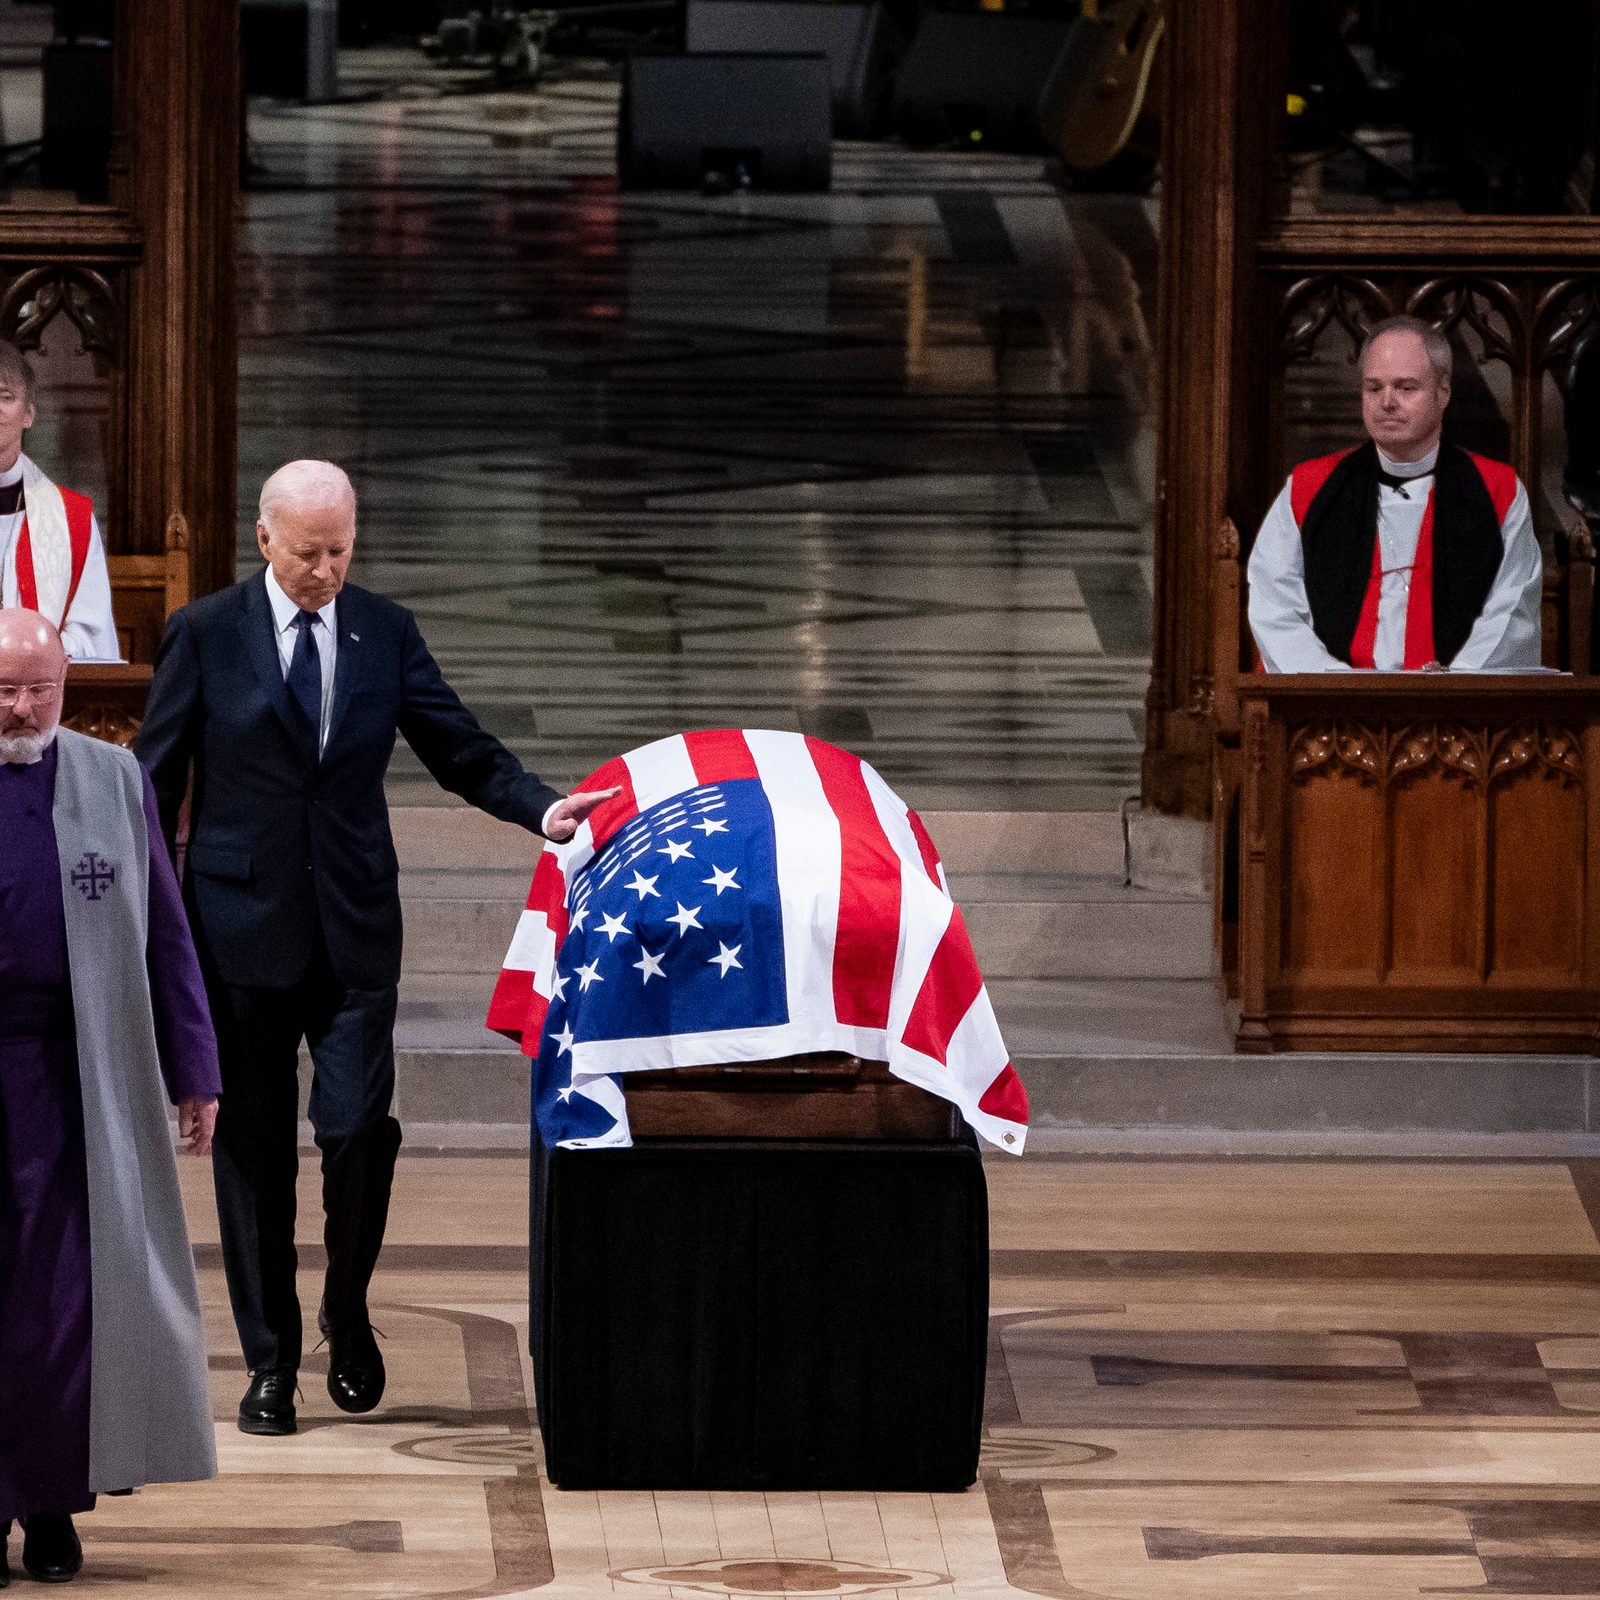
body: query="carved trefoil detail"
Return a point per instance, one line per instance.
(33, 299)
(1313, 305)
(1484, 306)
(1537, 747)
(1444, 745)
(1399, 754)
(1337, 742)
(113, 723)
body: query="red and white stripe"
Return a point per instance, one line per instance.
(877, 956)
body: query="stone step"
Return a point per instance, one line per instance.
(1023, 925)
(1110, 1067)
(459, 838)
(1132, 1067)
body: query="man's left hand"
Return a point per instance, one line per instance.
(197, 1121)
(569, 814)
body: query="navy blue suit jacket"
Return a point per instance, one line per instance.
(279, 842)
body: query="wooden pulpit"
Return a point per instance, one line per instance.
(1420, 863)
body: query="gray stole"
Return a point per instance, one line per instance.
(149, 1413)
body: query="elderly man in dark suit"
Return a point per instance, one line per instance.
(282, 697)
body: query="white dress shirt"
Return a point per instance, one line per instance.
(90, 631)
(324, 635)
(1506, 636)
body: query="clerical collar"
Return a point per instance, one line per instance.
(1420, 468)
(12, 474)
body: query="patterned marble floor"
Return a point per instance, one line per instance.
(874, 464)
(1207, 1381)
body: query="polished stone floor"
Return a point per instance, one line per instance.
(873, 464)
(1207, 1381)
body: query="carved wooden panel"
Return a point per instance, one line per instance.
(1338, 926)
(1422, 873)
(99, 720)
(33, 297)
(106, 702)
(1528, 320)
(1423, 813)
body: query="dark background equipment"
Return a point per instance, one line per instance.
(861, 43)
(290, 48)
(1493, 109)
(725, 121)
(978, 79)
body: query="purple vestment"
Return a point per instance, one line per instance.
(45, 1316)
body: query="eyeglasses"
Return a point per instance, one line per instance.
(40, 693)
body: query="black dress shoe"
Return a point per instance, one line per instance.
(50, 1549)
(268, 1404)
(355, 1364)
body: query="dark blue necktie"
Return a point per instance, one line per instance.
(305, 680)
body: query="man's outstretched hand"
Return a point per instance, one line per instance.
(197, 1121)
(569, 814)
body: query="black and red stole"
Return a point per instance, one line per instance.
(1335, 504)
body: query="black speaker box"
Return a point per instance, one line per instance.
(76, 150)
(762, 121)
(978, 79)
(275, 39)
(860, 42)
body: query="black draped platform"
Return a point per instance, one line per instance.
(775, 1314)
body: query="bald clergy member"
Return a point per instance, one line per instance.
(283, 697)
(102, 1019)
(51, 557)
(1406, 554)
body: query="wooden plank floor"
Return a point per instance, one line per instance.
(1235, 1381)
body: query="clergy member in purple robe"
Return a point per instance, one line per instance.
(103, 1020)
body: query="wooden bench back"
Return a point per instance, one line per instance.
(106, 700)
(146, 590)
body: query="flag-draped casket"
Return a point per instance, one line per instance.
(746, 896)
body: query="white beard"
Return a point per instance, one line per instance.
(23, 749)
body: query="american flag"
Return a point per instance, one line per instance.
(747, 895)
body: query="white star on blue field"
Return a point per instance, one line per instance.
(686, 892)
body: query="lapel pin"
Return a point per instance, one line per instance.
(355, 638)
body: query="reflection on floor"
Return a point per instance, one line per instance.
(1207, 1381)
(871, 464)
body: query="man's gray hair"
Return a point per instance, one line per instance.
(305, 483)
(1440, 356)
(15, 368)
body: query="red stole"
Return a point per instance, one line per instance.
(1307, 482)
(80, 514)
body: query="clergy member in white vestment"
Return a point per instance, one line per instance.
(51, 557)
(1407, 553)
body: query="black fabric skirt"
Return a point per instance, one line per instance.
(761, 1314)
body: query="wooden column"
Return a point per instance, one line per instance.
(178, 78)
(1224, 90)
